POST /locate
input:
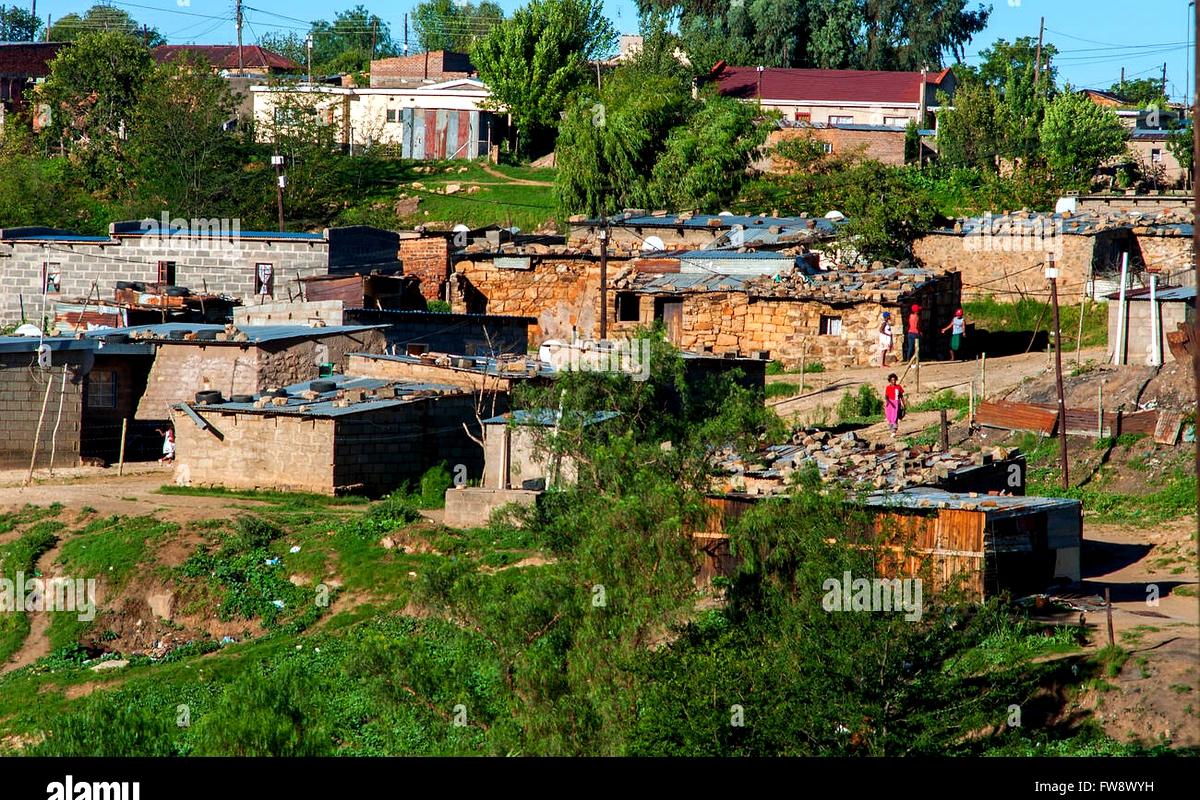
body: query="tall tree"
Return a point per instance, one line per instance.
(104, 18)
(18, 25)
(1078, 136)
(92, 88)
(536, 58)
(971, 133)
(1141, 92)
(345, 44)
(454, 25)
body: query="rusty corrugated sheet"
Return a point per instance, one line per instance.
(1017, 417)
(658, 266)
(1182, 343)
(349, 290)
(1166, 430)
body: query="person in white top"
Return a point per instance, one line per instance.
(958, 330)
(885, 338)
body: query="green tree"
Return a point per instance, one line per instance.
(289, 45)
(345, 44)
(18, 25)
(912, 143)
(185, 158)
(453, 25)
(1181, 144)
(98, 18)
(1141, 92)
(970, 134)
(532, 61)
(1020, 56)
(1078, 136)
(92, 90)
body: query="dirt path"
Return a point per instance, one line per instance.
(132, 494)
(514, 181)
(37, 643)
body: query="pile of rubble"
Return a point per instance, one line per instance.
(849, 460)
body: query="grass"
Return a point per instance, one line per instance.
(295, 500)
(508, 204)
(781, 389)
(20, 556)
(811, 367)
(988, 314)
(1175, 499)
(949, 400)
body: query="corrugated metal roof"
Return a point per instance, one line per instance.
(1167, 295)
(995, 506)
(547, 417)
(483, 365)
(29, 344)
(447, 315)
(259, 334)
(827, 85)
(1047, 225)
(324, 406)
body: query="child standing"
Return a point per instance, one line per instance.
(893, 402)
(168, 445)
(885, 338)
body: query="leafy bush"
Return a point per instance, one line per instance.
(948, 399)
(781, 389)
(434, 484)
(438, 307)
(861, 406)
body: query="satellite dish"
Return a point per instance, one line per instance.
(460, 227)
(653, 244)
(725, 214)
(835, 216)
(27, 330)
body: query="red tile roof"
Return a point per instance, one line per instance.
(225, 56)
(28, 59)
(826, 85)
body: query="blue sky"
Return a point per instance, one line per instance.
(1095, 38)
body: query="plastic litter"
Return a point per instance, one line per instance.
(273, 561)
(295, 549)
(277, 603)
(227, 640)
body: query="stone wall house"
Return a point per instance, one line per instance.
(366, 436)
(44, 265)
(802, 315)
(634, 231)
(881, 143)
(999, 256)
(266, 358)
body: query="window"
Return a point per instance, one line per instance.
(803, 116)
(393, 115)
(264, 280)
(1156, 155)
(166, 272)
(831, 326)
(102, 389)
(52, 277)
(896, 122)
(628, 307)
(827, 147)
(841, 120)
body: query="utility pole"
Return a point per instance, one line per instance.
(241, 68)
(280, 182)
(604, 276)
(1052, 274)
(308, 40)
(406, 34)
(374, 34)
(760, 72)
(1196, 228)
(1037, 60)
(1164, 89)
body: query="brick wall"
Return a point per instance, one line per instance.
(884, 146)
(415, 69)
(1008, 275)
(429, 259)
(1170, 254)
(287, 362)
(562, 294)
(22, 392)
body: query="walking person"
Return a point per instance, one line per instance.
(913, 335)
(886, 338)
(958, 330)
(893, 403)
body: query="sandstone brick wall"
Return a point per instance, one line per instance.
(562, 294)
(429, 259)
(181, 370)
(1007, 275)
(286, 362)
(22, 391)
(1170, 254)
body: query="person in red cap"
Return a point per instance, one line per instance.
(958, 329)
(913, 333)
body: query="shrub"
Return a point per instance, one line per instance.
(866, 403)
(434, 484)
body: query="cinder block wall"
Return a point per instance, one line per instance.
(257, 452)
(23, 388)
(1140, 335)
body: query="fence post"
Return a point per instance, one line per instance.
(121, 458)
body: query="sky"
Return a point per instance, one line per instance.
(1095, 38)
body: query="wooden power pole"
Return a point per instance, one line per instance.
(1037, 65)
(1052, 274)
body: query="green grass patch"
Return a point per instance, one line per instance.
(1024, 315)
(112, 547)
(781, 389)
(294, 500)
(29, 513)
(948, 399)
(1175, 499)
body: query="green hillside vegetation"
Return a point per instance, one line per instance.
(572, 628)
